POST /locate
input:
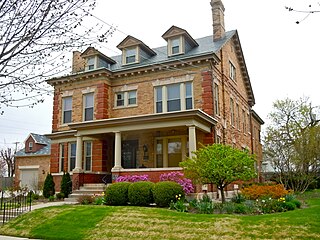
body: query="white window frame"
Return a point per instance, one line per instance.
(172, 44)
(232, 71)
(126, 102)
(85, 107)
(127, 51)
(87, 156)
(30, 146)
(64, 110)
(71, 156)
(62, 157)
(183, 96)
(91, 63)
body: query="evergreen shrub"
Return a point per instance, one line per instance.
(66, 184)
(165, 192)
(140, 193)
(48, 186)
(117, 194)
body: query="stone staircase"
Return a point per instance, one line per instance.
(86, 189)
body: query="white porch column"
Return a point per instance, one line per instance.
(192, 140)
(117, 152)
(78, 167)
(165, 153)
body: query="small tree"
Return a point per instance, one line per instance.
(219, 164)
(66, 184)
(48, 188)
(7, 157)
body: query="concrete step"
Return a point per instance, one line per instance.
(94, 185)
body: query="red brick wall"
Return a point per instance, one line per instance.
(102, 100)
(54, 158)
(207, 94)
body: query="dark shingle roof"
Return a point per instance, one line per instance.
(39, 139)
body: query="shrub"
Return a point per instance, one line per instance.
(140, 193)
(165, 192)
(178, 177)
(264, 191)
(296, 202)
(85, 199)
(66, 184)
(117, 194)
(133, 178)
(48, 188)
(238, 198)
(59, 195)
(51, 198)
(289, 206)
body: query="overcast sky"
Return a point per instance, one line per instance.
(282, 57)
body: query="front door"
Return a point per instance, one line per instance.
(129, 153)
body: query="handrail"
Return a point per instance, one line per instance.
(15, 206)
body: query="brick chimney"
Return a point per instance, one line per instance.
(78, 63)
(218, 19)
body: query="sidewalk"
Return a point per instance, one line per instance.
(34, 207)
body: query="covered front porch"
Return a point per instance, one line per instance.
(149, 144)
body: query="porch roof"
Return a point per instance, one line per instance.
(195, 117)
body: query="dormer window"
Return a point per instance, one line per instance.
(175, 46)
(130, 55)
(30, 146)
(91, 63)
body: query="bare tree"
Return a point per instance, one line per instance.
(2, 168)
(7, 156)
(34, 39)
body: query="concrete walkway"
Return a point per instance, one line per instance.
(34, 207)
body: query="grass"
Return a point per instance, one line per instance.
(106, 222)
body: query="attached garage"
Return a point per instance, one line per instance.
(29, 177)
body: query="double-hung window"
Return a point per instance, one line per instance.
(231, 112)
(175, 46)
(130, 56)
(88, 106)
(132, 97)
(232, 71)
(30, 146)
(72, 156)
(173, 97)
(91, 62)
(67, 110)
(216, 99)
(126, 99)
(120, 99)
(88, 156)
(173, 102)
(62, 156)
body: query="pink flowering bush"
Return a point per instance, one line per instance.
(133, 178)
(178, 177)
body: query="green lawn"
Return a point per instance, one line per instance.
(105, 222)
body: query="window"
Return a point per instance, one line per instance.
(173, 103)
(30, 146)
(130, 56)
(244, 122)
(126, 99)
(132, 97)
(158, 99)
(170, 151)
(88, 106)
(238, 116)
(88, 156)
(62, 156)
(232, 71)
(120, 99)
(72, 156)
(189, 95)
(175, 46)
(67, 110)
(91, 63)
(174, 97)
(216, 99)
(231, 112)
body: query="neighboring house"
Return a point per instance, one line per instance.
(146, 110)
(33, 162)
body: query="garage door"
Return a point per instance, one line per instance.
(29, 178)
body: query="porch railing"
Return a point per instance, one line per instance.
(14, 206)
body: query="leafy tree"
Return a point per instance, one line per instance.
(48, 187)
(292, 143)
(219, 164)
(7, 159)
(34, 37)
(66, 184)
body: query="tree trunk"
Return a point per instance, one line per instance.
(221, 188)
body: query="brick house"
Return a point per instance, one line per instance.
(33, 162)
(148, 109)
